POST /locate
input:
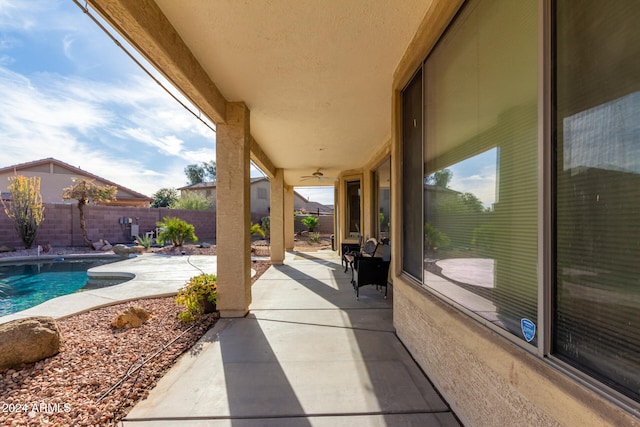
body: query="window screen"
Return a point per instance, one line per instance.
(598, 190)
(412, 177)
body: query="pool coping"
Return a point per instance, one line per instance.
(152, 276)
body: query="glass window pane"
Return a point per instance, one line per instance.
(480, 163)
(353, 209)
(383, 211)
(598, 190)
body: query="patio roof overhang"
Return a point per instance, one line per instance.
(316, 76)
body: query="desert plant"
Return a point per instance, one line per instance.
(434, 238)
(193, 295)
(315, 237)
(311, 222)
(265, 223)
(175, 230)
(144, 241)
(256, 229)
(25, 209)
(85, 191)
(191, 201)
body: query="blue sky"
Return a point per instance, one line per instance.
(70, 93)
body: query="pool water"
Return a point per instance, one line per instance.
(26, 285)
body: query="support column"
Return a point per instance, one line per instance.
(288, 218)
(233, 212)
(277, 218)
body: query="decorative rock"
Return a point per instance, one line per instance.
(106, 248)
(98, 245)
(6, 248)
(125, 251)
(132, 317)
(28, 340)
(205, 245)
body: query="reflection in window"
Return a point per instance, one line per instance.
(353, 208)
(480, 163)
(383, 211)
(597, 293)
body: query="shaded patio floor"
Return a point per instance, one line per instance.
(308, 354)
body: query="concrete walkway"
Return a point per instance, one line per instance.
(308, 354)
(153, 275)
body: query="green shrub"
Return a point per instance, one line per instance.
(315, 237)
(255, 229)
(175, 230)
(193, 294)
(191, 201)
(311, 222)
(144, 241)
(266, 225)
(434, 238)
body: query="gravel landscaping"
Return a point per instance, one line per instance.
(101, 372)
(64, 390)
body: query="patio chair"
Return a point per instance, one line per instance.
(348, 249)
(368, 249)
(371, 270)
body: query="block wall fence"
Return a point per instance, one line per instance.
(61, 226)
(325, 225)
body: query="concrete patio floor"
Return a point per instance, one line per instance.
(308, 354)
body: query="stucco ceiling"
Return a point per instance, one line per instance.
(316, 75)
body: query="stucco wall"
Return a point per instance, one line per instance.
(61, 226)
(487, 380)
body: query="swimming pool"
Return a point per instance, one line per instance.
(27, 284)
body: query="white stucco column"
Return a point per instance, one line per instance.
(233, 212)
(277, 218)
(288, 218)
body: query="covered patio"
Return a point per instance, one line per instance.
(376, 97)
(293, 87)
(308, 354)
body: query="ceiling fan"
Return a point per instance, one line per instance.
(318, 176)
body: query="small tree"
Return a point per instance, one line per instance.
(26, 209)
(311, 222)
(164, 197)
(85, 191)
(176, 230)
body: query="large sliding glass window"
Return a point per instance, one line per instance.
(597, 294)
(471, 202)
(480, 181)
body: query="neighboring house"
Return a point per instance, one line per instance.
(260, 197)
(55, 176)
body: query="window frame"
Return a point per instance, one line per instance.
(347, 211)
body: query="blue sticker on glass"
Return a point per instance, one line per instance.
(528, 329)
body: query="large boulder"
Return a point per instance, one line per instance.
(28, 340)
(132, 317)
(125, 251)
(6, 248)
